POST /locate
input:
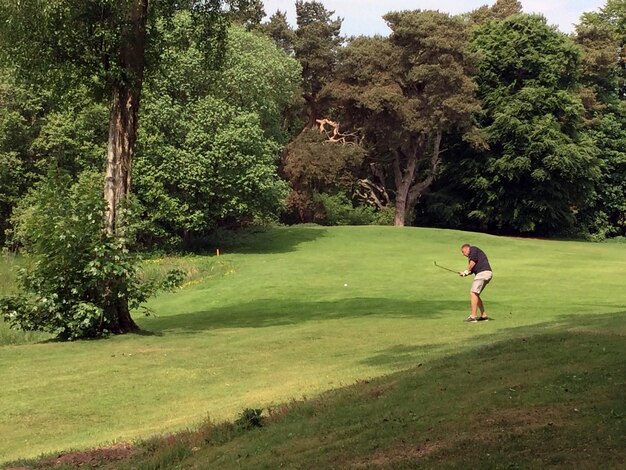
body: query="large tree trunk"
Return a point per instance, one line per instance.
(123, 120)
(408, 190)
(404, 179)
(422, 186)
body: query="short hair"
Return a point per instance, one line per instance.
(465, 245)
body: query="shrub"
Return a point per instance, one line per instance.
(338, 210)
(250, 418)
(68, 287)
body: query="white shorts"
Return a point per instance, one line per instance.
(480, 281)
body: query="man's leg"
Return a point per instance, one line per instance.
(474, 299)
(481, 307)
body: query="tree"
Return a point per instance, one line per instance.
(209, 142)
(104, 44)
(278, 29)
(320, 161)
(317, 40)
(540, 169)
(613, 14)
(20, 109)
(602, 75)
(247, 13)
(404, 94)
(500, 10)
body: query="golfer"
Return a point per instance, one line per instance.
(479, 266)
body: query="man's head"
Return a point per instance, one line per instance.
(465, 249)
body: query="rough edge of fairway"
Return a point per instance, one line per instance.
(543, 398)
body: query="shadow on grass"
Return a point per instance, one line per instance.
(401, 356)
(262, 240)
(271, 312)
(407, 355)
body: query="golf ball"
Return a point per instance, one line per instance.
(345, 285)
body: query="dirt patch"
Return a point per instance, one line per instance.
(92, 458)
(399, 455)
(520, 419)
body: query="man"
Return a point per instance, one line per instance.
(478, 265)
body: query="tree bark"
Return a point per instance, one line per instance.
(123, 120)
(404, 178)
(422, 186)
(408, 190)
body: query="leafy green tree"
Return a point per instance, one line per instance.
(599, 37)
(209, 141)
(73, 136)
(63, 290)
(613, 14)
(38, 129)
(540, 170)
(106, 45)
(405, 93)
(20, 109)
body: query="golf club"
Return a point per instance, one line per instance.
(447, 269)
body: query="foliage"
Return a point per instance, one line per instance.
(209, 140)
(250, 418)
(222, 168)
(20, 108)
(541, 168)
(316, 45)
(73, 136)
(313, 165)
(278, 29)
(599, 36)
(61, 225)
(339, 210)
(38, 130)
(606, 216)
(500, 10)
(405, 93)
(82, 45)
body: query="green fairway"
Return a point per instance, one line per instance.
(272, 320)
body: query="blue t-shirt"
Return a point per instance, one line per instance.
(479, 257)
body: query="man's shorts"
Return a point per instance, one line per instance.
(480, 281)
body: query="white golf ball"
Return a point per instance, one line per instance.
(345, 285)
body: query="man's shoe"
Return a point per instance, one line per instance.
(485, 318)
(471, 319)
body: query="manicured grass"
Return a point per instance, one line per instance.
(271, 320)
(551, 398)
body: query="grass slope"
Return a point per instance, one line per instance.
(550, 398)
(271, 321)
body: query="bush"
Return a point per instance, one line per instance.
(78, 270)
(338, 210)
(249, 418)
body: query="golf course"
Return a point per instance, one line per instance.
(352, 342)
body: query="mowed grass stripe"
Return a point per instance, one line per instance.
(277, 323)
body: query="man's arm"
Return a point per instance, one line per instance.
(468, 271)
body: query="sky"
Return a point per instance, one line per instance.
(364, 17)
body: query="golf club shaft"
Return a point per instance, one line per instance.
(443, 267)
